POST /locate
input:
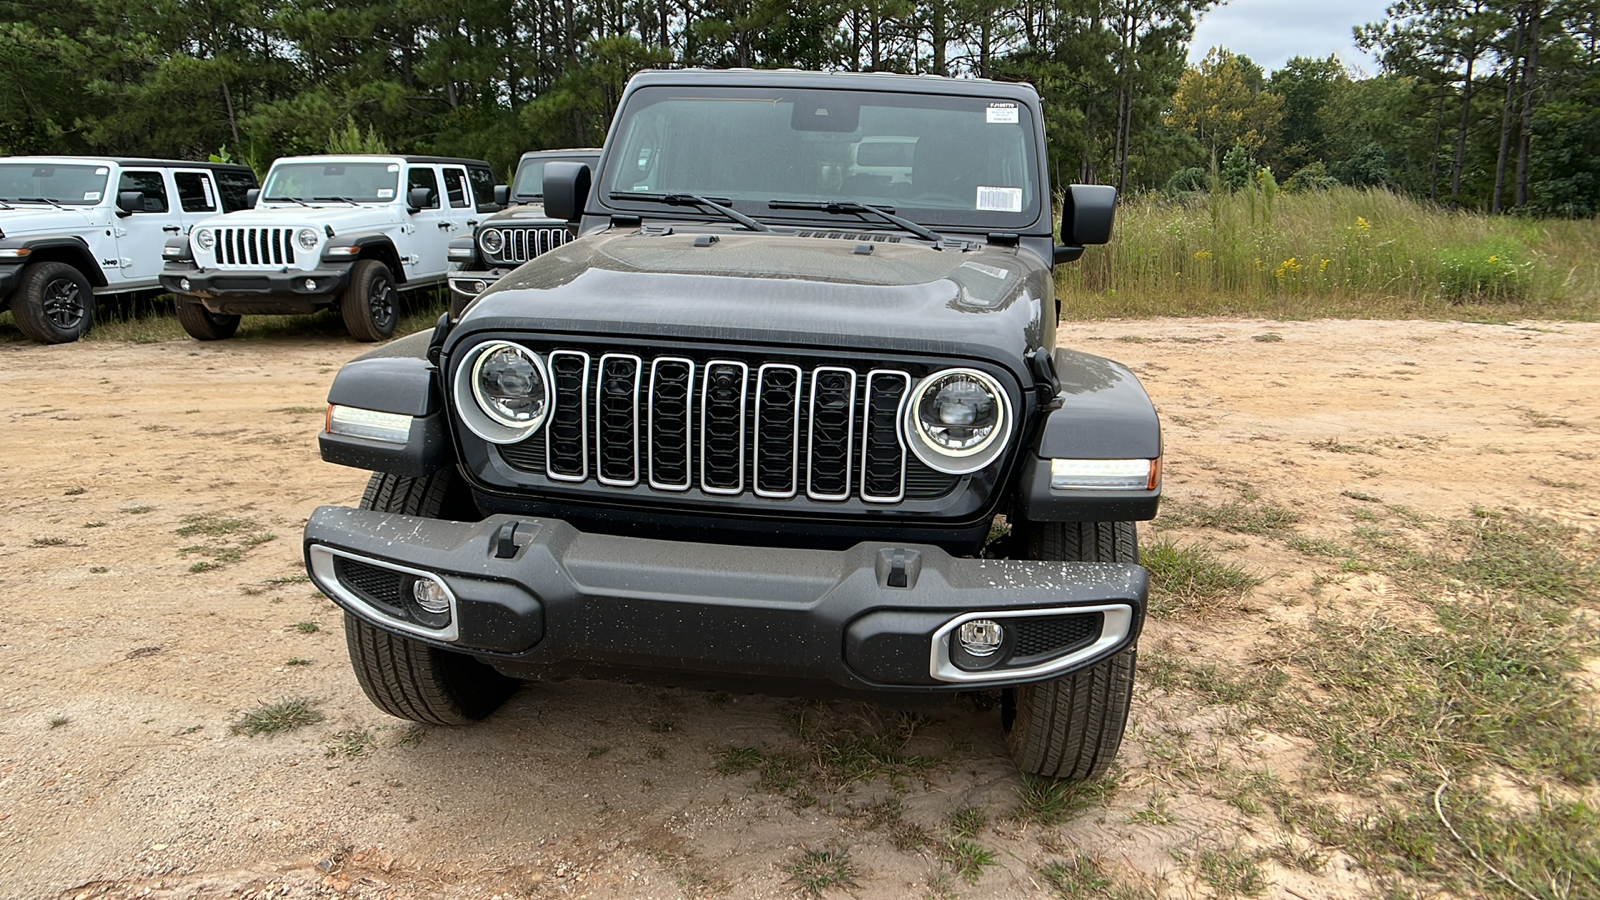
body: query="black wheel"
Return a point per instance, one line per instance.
(54, 303)
(1071, 727)
(404, 677)
(370, 304)
(203, 324)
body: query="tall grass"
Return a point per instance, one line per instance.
(1345, 252)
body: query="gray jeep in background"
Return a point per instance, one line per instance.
(756, 429)
(516, 234)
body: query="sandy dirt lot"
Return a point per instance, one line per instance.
(153, 593)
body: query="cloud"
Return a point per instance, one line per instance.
(1271, 32)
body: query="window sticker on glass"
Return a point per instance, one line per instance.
(394, 168)
(102, 171)
(1002, 114)
(386, 193)
(999, 199)
(91, 195)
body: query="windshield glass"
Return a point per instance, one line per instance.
(529, 183)
(939, 160)
(373, 182)
(67, 185)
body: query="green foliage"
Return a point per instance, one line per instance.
(350, 139)
(1492, 269)
(1238, 168)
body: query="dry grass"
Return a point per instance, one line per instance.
(1346, 253)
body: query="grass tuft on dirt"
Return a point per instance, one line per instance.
(1189, 579)
(276, 718)
(818, 871)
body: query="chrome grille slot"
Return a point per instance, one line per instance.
(567, 438)
(777, 441)
(616, 420)
(723, 389)
(883, 454)
(255, 246)
(828, 445)
(671, 413)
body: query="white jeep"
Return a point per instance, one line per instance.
(77, 228)
(345, 232)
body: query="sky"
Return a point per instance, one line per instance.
(1270, 32)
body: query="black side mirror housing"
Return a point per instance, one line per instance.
(418, 198)
(1086, 219)
(502, 195)
(130, 202)
(251, 196)
(566, 190)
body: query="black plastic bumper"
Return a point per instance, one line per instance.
(874, 618)
(254, 292)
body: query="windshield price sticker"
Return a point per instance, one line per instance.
(1002, 114)
(999, 199)
(102, 171)
(91, 195)
(386, 193)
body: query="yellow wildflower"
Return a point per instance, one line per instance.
(1323, 266)
(1495, 258)
(1287, 268)
(1362, 224)
(1203, 255)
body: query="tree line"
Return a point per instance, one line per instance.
(1481, 103)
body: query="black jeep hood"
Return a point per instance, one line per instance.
(805, 289)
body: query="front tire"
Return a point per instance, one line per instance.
(1071, 727)
(54, 303)
(370, 304)
(407, 678)
(202, 324)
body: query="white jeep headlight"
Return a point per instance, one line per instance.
(205, 238)
(492, 241)
(959, 419)
(307, 238)
(502, 392)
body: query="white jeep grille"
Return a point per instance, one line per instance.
(255, 247)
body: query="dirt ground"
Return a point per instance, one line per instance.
(153, 593)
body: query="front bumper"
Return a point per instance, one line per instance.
(878, 617)
(241, 292)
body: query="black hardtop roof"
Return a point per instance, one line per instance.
(126, 161)
(442, 160)
(844, 81)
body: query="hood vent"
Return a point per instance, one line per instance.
(876, 237)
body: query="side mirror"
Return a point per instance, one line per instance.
(566, 190)
(1086, 219)
(502, 195)
(130, 202)
(251, 196)
(419, 198)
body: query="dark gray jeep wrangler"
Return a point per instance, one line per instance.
(753, 429)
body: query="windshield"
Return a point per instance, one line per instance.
(66, 185)
(373, 182)
(939, 160)
(529, 183)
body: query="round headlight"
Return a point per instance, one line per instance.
(502, 392)
(307, 238)
(491, 241)
(959, 417)
(204, 238)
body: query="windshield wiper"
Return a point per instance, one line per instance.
(40, 200)
(851, 206)
(336, 200)
(5, 204)
(715, 203)
(287, 200)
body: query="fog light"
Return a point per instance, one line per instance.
(311, 284)
(183, 283)
(430, 595)
(981, 637)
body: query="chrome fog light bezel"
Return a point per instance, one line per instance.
(326, 578)
(1116, 625)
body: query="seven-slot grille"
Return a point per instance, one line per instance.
(255, 246)
(522, 243)
(726, 427)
